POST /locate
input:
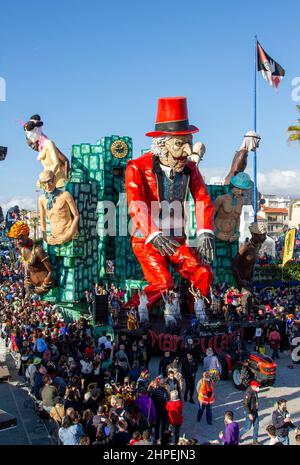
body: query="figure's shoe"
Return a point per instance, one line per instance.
(192, 401)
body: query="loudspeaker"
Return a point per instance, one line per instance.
(100, 311)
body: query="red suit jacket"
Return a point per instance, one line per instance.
(142, 189)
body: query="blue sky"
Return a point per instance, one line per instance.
(97, 68)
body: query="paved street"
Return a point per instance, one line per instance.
(228, 398)
(30, 430)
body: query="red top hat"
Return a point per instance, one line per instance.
(172, 118)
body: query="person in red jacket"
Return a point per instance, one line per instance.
(174, 408)
(157, 187)
(274, 340)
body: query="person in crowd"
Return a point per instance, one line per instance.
(281, 420)
(174, 408)
(172, 384)
(57, 412)
(211, 362)
(48, 393)
(160, 397)
(273, 439)
(70, 432)
(206, 397)
(166, 360)
(251, 410)
(231, 435)
(121, 438)
(274, 340)
(189, 371)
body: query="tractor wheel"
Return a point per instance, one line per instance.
(240, 378)
(237, 378)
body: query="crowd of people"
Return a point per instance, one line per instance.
(98, 390)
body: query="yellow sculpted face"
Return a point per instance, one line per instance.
(49, 184)
(177, 149)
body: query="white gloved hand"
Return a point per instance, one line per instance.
(251, 141)
(197, 153)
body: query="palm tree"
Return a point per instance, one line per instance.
(294, 130)
(23, 214)
(34, 223)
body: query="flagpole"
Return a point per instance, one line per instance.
(254, 125)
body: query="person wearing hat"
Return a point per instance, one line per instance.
(239, 163)
(162, 177)
(31, 369)
(60, 208)
(228, 208)
(251, 410)
(211, 362)
(244, 262)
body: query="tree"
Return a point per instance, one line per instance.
(34, 223)
(294, 130)
(23, 214)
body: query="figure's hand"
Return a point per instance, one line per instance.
(206, 246)
(197, 153)
(58, 240)
(235, 237)
(251, 141)
(165, 245)
(43, 288)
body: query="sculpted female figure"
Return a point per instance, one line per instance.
(49, 155)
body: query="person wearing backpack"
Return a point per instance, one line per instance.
(206, 397)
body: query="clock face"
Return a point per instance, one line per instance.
(119, 149)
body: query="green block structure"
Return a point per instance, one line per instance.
(97, 176)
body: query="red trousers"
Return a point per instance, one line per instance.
(156, 268)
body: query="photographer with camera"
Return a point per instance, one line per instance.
(206, 397)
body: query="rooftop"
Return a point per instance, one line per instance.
(279, 211)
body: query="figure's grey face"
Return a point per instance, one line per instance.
(175, 152)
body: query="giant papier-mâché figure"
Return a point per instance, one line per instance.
(160, 177)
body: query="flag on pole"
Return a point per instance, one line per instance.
(289, 246)
(271, 71)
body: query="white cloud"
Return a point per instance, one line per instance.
(26, 203)
(281, 182)
(276, 181)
